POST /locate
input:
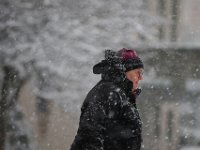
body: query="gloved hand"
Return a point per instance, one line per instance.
(137, 92)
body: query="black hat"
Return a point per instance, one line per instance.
(130, 59)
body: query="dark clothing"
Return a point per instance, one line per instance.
(109, 117)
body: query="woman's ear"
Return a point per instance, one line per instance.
(128, 76)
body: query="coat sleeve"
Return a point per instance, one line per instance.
(90, 135)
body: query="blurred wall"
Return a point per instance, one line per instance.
(52, 130)
(170, 99)
(189, 21)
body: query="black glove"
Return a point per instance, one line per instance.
(137, 92)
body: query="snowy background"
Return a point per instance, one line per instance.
(53, 45)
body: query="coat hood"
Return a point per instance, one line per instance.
(110, 70)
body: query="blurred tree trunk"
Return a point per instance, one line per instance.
(9, 94)
(4, 106)
(3, 121)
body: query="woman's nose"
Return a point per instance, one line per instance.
(140, 78)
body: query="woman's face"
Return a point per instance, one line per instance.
(135, 76)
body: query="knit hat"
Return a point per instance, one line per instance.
(130, 59)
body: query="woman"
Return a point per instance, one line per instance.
(109, 117)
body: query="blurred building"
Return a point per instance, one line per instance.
(181, 23)
(172, 97)
(169, 103)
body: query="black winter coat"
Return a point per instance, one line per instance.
(109, 118)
